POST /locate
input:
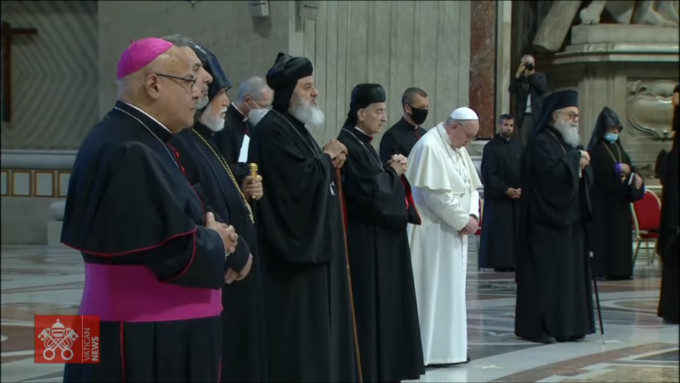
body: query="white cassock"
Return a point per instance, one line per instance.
(444, 182)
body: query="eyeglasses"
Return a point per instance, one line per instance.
(571, 115)
(191, 80)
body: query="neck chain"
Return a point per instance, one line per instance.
(558, 141)
(150, 132)
(315, 152)
(223, 162)
(618, 150)
(371, 154)
(466, 174)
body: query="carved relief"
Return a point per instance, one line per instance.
(650, 112)
(663, 13)
(554, 28)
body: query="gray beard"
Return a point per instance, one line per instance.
(214, 123)
(202, 103)
(309, 114)
(569, 132)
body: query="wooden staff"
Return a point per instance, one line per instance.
(341, 197)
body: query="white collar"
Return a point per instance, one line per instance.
(245, 117)
(361, 131)
(148, 115)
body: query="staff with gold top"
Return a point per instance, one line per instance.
(254, 189)
(243, 356)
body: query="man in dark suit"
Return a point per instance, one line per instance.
(530, 87)
(253, 101)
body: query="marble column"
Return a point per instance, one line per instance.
(483, 65)
(503, 55)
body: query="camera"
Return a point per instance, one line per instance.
(529, 66)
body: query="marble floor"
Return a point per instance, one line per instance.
(638, 346)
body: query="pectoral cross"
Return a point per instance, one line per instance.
(7, 33)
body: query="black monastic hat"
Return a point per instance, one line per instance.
(363, 95)
(557, 100)
(283, 76)
(212, 66)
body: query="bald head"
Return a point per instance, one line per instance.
(165, 88)
(132, 86)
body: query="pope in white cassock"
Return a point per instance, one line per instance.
(445, 184)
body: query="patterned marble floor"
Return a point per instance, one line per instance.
(638, 346)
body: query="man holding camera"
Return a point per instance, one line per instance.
(529, 86)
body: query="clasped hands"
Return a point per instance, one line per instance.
(514, 193)
(399, 163)
(471, 227)
(229, 240)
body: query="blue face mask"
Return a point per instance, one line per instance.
(611, 137)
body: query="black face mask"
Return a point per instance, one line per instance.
(418, 115)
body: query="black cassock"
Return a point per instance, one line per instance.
(380, 263)
(230, 139)
(148, 256)
(610, 235)
(501, 165)
(399, 139)
(554, 293)
(669, 230)
(301, 243)
(244, 356)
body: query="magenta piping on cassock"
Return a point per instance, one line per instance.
(132, 293)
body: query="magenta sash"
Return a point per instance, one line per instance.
(132, 293)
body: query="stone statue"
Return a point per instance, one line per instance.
(555, 26)
(662, 13)
(650, 109)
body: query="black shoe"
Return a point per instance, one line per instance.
(546, 339)
(571, 338)
(439, 365)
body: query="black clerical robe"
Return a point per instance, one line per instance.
(553, 272)
(153, 271)
(230, 139)
(243, 351)
(610, 234)
(380, 262)
(399, 139)
(501, 165)
(669, 233)
(300, 240)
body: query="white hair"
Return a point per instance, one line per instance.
(253, 87)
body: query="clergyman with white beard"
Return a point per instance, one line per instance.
(300, 234)
(554, 299)
(243, 348)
